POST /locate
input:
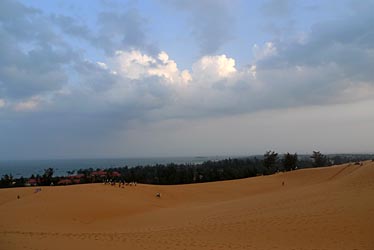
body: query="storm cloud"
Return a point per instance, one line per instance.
(80, 88)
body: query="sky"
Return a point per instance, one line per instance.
(106, 78)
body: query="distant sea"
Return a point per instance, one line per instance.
(26, 168)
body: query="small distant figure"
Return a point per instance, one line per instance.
(282, 183)
(18, 197)
(158, 195)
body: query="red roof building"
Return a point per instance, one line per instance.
(32, 182)
(77, 176)
(64, 182)
(115, 174)
(99, 173)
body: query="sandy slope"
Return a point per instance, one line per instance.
(327, 208)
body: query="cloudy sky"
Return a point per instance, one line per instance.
(184, 78)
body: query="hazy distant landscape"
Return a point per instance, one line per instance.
(164, 171)
(26, 168)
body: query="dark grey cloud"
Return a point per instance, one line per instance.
(212, 22)
(24, 74)
(277, 8)
(39, 54)
(13, 17)
(72, 26)
(32, 55)
(93, 76)
(345, 42)
(335, 55)
(120, 29)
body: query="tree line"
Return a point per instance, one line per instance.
(165, 174)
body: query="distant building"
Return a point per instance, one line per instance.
(77, 176)
(99, 173)
(115, 174)
(31, 182)
(76, 181)
(65, 182)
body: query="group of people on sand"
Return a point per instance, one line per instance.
(121, 184)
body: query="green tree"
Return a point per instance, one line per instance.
(270, 159)
(289, 161)
(319, 160)
(47, 176)
(70, 172)
(6, 180)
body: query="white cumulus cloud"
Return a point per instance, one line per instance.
(136, 65)
(213, 68)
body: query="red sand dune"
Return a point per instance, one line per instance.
(325, 208)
